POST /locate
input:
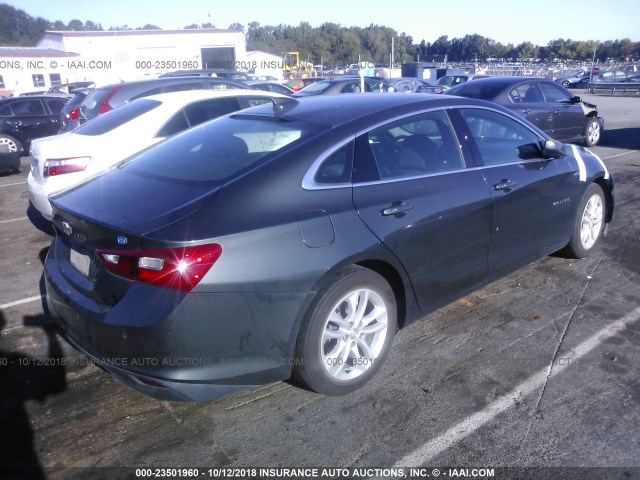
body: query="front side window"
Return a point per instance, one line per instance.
(555, 93)
(419, 145)
(526, 93)
(501, 139)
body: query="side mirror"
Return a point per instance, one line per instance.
(576, 99)
(553, 149)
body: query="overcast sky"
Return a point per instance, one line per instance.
(537, 21)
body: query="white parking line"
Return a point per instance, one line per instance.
(20, 302)
(11, 184)
(14, 220)
(424, 454)
(623, 154)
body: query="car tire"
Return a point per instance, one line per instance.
(347, 333)
(589, 223)
(566, 84)
(592, 132)
(10, 144)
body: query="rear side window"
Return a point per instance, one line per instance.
(415, 146)
(115, 118)
(28, 108)
(5, 111)
(55, 105)
(337, 167)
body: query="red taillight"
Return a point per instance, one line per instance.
(177, 268)
(104, 106)
(74, 114)
(60, 166)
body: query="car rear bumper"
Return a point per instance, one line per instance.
(177, 346)
(39, 197)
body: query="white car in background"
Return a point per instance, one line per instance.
(62, 161)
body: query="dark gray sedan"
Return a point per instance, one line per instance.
(343, 85)
(549, 106)
(292, 240)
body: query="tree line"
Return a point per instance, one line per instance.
(334, 44)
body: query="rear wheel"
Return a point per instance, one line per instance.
(9, 144)
(589, 223)
(592, 132)
(347, 333)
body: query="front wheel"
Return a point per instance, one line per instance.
(566, 84)
(592, 132)
(589, 223)
(347, 333)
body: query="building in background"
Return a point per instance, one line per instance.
(113, 56)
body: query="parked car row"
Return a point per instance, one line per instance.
(26, 118)
(291, 240)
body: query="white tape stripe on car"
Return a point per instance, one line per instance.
(606, 172)
(580, 162)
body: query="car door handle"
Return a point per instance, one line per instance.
(398, 208)
(557, 112)
(504, 185)
(526, 111)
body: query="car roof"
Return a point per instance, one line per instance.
(349, 108)
(165, 80)
(188, 96)
(33, 97)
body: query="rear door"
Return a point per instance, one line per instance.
(415, 193)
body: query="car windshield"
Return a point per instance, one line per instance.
(217, 151)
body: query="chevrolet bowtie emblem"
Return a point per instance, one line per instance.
(66, 228)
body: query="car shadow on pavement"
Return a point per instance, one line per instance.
(621, 138)
(25, 378)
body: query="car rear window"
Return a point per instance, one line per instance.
(115, 118)
(478, 89)
(91, 106)
(316, 87)
(217, 151)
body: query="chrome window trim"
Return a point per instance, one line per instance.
(309, 179)
(415, 177)
(309, 183)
